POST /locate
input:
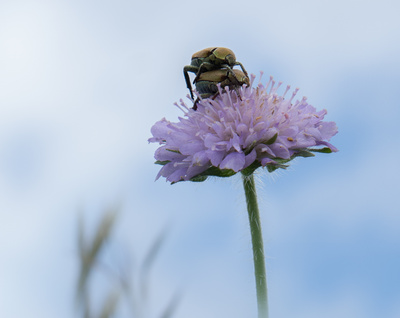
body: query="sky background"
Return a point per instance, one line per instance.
(81, 84)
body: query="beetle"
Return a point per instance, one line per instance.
(209, 59)
(207, 82)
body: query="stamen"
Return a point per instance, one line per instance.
(269, 82)
(261, 75)
(229, 95)
(252, 78)
(182, 106)
(294, 94)
(272, 87)
(287, 89)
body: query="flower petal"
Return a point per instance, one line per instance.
(234, 161)
(231, 132)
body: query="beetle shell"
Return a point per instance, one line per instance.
(219, 52)
(226, 55)
(214, 55)
(222, 75)
(203, 53)
(207, 82)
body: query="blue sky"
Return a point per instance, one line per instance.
(81, 83)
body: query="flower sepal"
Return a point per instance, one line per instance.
(277, 163)
(161, 163)
(213, 172)
(321, 150)
(250, 169)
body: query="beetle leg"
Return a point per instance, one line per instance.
(186, 69)
(205, 95)
(215, 96)
(205, 65)
(195, 104)
(231, 72)
(242, 67)
(237, 92)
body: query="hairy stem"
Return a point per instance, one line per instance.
(258, 246)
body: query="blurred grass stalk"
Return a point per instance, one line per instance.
(90, 259)
(89, 253)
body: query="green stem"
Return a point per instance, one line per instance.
(258, 246)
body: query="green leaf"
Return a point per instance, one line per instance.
(162, 163)
(321, 150)
(281, 161)
(250, 169)
(272, 140)
(271, 167)
(303, 153)
(215, 172)
(199, 179)
(175, 151)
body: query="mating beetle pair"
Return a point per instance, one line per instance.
(213, 66)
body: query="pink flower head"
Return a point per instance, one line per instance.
(232, 133)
